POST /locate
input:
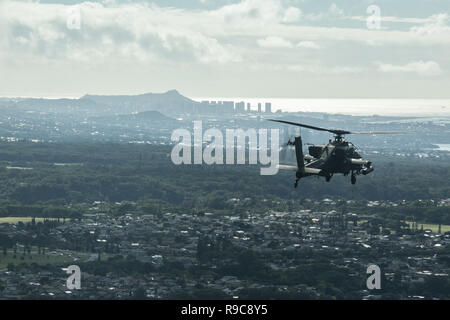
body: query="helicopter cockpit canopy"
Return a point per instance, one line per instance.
(316, 150)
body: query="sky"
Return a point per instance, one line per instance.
(226, 48)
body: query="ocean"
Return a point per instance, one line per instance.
(439, 108)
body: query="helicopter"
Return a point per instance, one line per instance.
(338, 156)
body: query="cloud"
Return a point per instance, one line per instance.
(313, 68)
(308, 45)
(320, 69)
(261, 12)
(292, 14)
(428, 68)
(114, 30)
(135, 31)
(140, 43)
(394, 19)
(274, 42)
(333, 12)
(437, 24)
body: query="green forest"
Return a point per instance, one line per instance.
(52, 179)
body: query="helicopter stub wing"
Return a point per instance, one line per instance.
(304, 170)
(288, 168)
(312, 170)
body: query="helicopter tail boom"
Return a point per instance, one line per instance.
(299, 153)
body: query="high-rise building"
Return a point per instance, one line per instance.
(268, 107)
(228, 106)
(259, 107)
(214, 107)
(239, 106)
(248, 107)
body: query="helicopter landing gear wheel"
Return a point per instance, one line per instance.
(296, 183)
(328, 178)
(353, 180)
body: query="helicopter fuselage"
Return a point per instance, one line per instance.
(337, 156)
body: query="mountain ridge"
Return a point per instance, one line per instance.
(168, 103)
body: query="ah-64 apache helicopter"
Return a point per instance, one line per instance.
(338, 156)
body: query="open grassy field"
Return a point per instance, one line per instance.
(15, 220)
(55, 257)
(433, 227)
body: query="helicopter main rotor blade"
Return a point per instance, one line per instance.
(380, 132)
(337, 132)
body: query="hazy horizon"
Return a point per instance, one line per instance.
(432, 107)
